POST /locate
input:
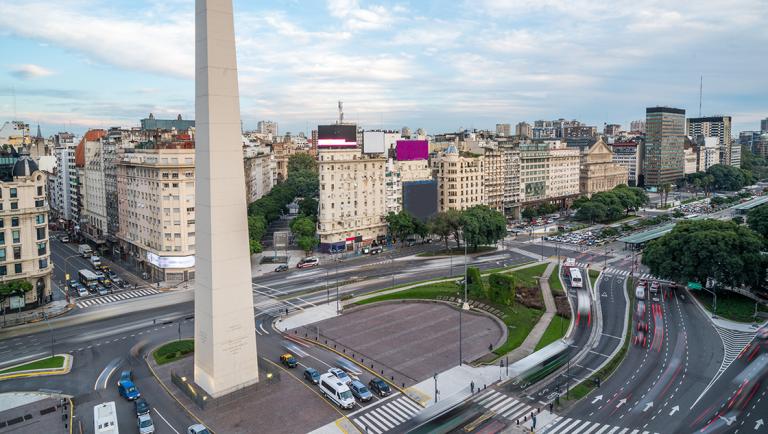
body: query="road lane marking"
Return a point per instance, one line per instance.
(165, 420)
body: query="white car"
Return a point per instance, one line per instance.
(145, 424)
(341, 375)
(198, 429)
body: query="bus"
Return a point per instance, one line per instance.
(105, 418)
(576, 281)
(87, 277)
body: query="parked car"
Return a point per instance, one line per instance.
(379, 387)
(119, 282)
(311, 375)
(198, 429)
(308, 262)
(142, 406)
(360, 391)
(145, 424)
(281, 267)
(288, 360)
(341, 375)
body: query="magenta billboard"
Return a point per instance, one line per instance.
(412, 150)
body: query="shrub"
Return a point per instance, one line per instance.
(475, 284)
(501, 288)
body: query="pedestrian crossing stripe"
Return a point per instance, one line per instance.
(505, 406)
(386, 417)
(621, 272)
(104, 299)
(563, 425)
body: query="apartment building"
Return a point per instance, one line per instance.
(260, 171)
(523, 129)
(707, 153)
(93, 216)
(503, 130)
(598, 170)
(627, 154)
(352, 199)
(510, 160)
(720, 127)
(24, 243)
(493, 177)
(156, 195)
(691, 157)
(549, 171)
(460, 179)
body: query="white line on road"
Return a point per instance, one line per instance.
(165, 420)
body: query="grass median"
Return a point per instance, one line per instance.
(593, 275)
(173, 351)
(554, 282)
(555, 330)
(55, 362)
(731, 305)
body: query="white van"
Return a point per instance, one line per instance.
(105, 418)
(640, 293)
(336, 390)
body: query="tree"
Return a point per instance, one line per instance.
(696, 250)
(757, 220)
(420, 228)
(303, 229)
(482, 225)
(257, 227)
(738, 220)
(308, 207)
(440, 225)
(665, 189)
(609, 232)
(301, 162)
(677, 214)
(307, 243)
(400, 225)
(528, 213)
(14, 287)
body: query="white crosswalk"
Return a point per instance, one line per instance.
(505, 405)
(563, 425)
(386, 417)
(104, 299)
(626, 272)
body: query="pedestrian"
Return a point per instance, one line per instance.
(550, 406)
(472, 386)
(490, 347)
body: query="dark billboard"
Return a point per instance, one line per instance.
(336, 136)
(420, 198)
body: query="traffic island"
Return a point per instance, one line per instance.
(59, 364)
(257, 408)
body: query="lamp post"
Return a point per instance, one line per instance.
(337, 285)
(45, 315)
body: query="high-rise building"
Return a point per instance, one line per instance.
(612, 130)
(637, 126)
(493, 177)
(720, 127)
(523, 129)
(267, 127)
(460, 183)
(156, 202)
(627, 154)
(93, 216)
(598, 170)
(405, 132)
(664, 138)
(764, 125)
(510, 155)
(503, 130)
(352, 199)
(25, 248)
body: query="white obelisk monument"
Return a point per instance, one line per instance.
(225, 337)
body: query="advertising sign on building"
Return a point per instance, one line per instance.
(373, 142)
(170, 261)
(412, 150)
(17, 302)
(420, 199)
(336, 136)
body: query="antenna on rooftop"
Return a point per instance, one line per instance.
(701, 90)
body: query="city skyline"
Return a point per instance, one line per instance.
(392, 63)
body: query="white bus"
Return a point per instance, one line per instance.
(105, 418)
(576, 281)
(336, 390)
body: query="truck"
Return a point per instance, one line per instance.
(84, 250)
(96, 262)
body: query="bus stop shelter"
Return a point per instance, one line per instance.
(639, 239)
(747, 206)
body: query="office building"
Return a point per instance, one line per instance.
(24, 244)
(353, 195)
(612, 130)
(503, 130)
(93, 215)
(664, 138)
(627, 154)
(599, 172)
(460, 182)
(524, 129)
(267, 128)
(156, 202)
(637, 126)
(720, 127)
(764, 125)
(549, 172)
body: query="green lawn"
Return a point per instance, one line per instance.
(458, 251)
(593, 274)
(56, 362)
(529, 276)
(554, 282)
(173, 351)
(556, 330)
(730, 305)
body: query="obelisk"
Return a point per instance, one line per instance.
(225, 336)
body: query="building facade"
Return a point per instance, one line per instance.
(510, 156)
(460, 180)
(523, 129)
(503, 130)
(260, 173)
(352, 200)
(93, 217)
(720, 127)
(627, 154)
(178, 124)
(156, 195)
(599, 172)
(267, 127)
(549, 172)
(664, 139)
(690, 154)
(637, 126)
(24, 243)
(493, 177)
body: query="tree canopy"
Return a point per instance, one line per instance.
(303, 229)
(757, 220)
(401, 225)
(444, 224)
(482, 225)
(721, 177)
(301, 162)
(608, 206)
(699, 249)
(14, 287)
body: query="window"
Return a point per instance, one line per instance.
(14, 222)
(2, 223)
(39, 203)
(16, 253)
(14, 205)
(41, 233)
(40, 219)
(15, 234)
(43, 264)
(13, 193)
(17, 268)
(39, 190)
(2, 255)
(40, 249)
(3, 270)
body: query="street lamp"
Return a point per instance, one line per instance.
(45, 316)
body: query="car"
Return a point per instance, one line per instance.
(102, 290)
(126, 375)
(64, 239)
(82, 292)
(73, 283)
(288, 360)
(642, 326)
(119, 282)
(311, 375)
(128, 390)
(341, 375)
(197, 429)
(655, 285)
(281, 267)
(145, 424)
(643, 283)
(111, 274)
(308, 262)
(379, 387)
(360, 392)
(376, 250)
(142, 406)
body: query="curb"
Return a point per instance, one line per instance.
(39, 372)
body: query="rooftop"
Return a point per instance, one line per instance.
(645, 236)
(748, 205)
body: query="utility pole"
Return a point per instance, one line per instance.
(436, 390)
(337, 286)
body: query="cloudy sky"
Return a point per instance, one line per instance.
(436, 64)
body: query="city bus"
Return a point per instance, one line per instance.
(576, 280)
(105, 418)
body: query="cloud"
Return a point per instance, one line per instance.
(358, 18)
(29, 71)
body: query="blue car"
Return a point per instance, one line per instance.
(126, 388)
(360, 391)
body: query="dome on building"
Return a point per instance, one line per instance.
(24, 166)
(452, 150)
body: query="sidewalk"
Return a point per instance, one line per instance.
(724, 323)
(50, 310)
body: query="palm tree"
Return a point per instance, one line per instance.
(696, 186)
(665, 189)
